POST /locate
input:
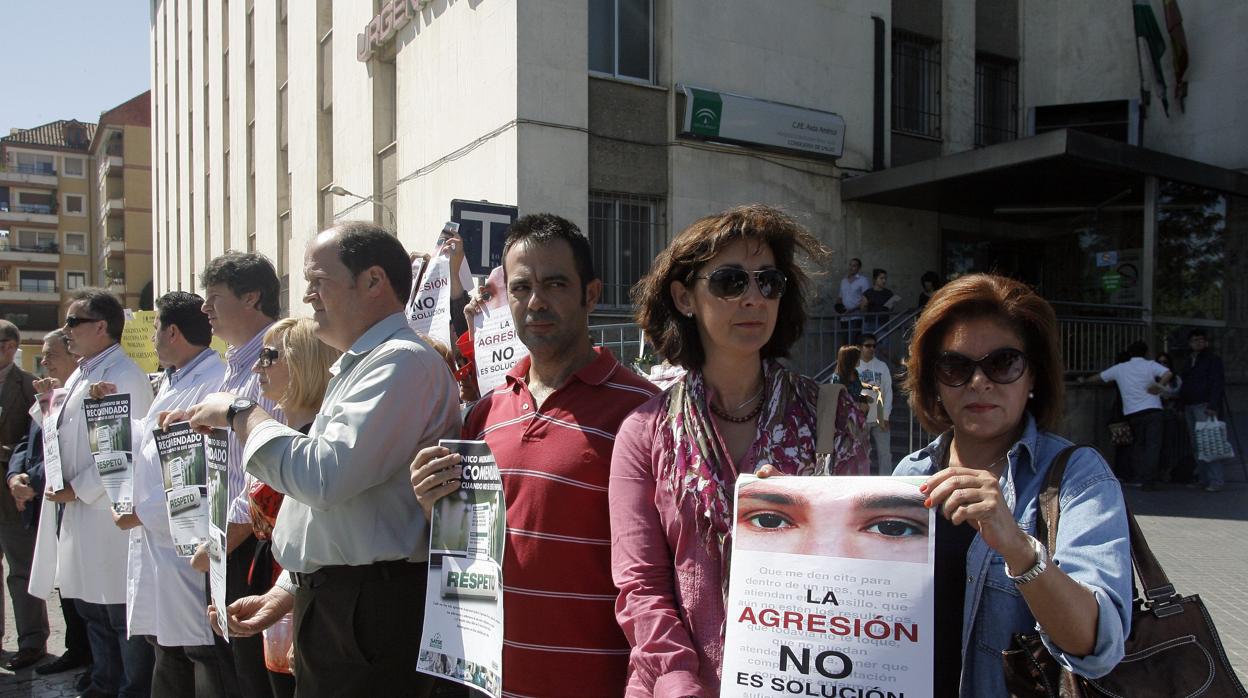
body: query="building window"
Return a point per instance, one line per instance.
(75, 243)
(74, 205)
(75, 279)
(621, 38)
(29, 163)
(36, 281)
(916, 84)
(996, 99)
(36, 240)
(624, 236)
(74, 167)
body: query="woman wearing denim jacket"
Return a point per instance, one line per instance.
(986, 371)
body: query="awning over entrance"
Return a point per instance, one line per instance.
(1046, 173)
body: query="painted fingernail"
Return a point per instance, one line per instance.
(928, 502)
(923, 488)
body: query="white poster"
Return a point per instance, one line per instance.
(429, 309)
(184, 464)
(217, 452)
(831, 589)
(108, 435)
(462, 639)
(52, 475)
(496, 347)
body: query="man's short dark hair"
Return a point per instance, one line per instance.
(1198, 332)
(185, 311)
(875, 273)
(105, 306)
(9, 331)
(544, 228)
(363, 245)
(243, 273)
(865, 336)
(1138, 348)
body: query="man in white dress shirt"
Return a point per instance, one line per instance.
(91, 552)
(166, 595)
(350, 535)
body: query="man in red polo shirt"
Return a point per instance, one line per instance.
(551, 427)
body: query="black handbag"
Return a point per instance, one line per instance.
(1173, 650)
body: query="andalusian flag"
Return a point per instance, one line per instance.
(1178, 41)
(1146, 28)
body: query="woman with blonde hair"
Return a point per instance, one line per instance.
(294, 372)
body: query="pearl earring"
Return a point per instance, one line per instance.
(1030, 395)
(938, 398)
(689, 314)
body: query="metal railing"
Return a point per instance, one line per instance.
(27, 208)
(625, 339)
(29, 169)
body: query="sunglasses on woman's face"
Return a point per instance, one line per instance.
(268, 357)
(1004, 365)
(731, 283)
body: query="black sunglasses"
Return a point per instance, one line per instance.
(74, 320)
(732, 282)
(268, 357)
(1004, 365)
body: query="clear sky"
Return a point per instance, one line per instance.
(71, 59)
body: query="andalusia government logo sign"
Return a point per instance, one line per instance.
(708, 109)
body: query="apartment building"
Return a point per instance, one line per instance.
(122, 195)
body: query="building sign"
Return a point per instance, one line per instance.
(394, 15)
(483, 227)
(722, 116)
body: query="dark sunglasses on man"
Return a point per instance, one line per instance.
(268, 357)
(72, 321)
(1002, 366)
(731, 283)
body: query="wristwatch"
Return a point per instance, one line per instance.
(1042, 563)
(239, 406)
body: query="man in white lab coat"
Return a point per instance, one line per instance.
(90, 556)
(165, 595)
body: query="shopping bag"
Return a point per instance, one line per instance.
(1211, 441)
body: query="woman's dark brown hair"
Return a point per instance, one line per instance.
(1015, 306)
(675, 336)
(847, 359)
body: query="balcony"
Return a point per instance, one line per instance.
(113, 205)
(30, 293)
(112, 248)
(49, 253)
(110, 164)
(27, 213)
(27, 175)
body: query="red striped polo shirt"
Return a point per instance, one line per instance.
(560, 637)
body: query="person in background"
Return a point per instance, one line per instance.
(986, 374)
(873, 370)
(725, 300)
(1140, 383)
(165, 596)
(551, 427)
(853, 286)
(880, 299)
(931, 282)
(26, 482)
(17, 540)
(1201, 396)
(294, 371)
(854, 458)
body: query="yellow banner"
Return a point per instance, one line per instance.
(136, 340)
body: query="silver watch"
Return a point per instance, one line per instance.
(1042, 563)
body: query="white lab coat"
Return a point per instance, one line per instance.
(165, 596)
(88, 561)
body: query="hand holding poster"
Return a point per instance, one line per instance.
(108, 435)
(184, 463)
(831, 588)
(216, 450)
(429, 308)
(51, 403)
(463, 635)
(496, 346)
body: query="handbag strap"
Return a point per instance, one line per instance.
(825, 410)
(1157, 586)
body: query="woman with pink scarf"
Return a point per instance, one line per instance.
(724, 301)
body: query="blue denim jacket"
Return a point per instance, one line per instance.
(1092, 548)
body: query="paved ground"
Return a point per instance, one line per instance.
(1200, 538)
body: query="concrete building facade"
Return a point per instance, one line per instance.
(122, 153)
(260, 109)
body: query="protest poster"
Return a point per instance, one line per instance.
(108, 436)
(51, 403)
(495, 345)
(429, 310)
(216, 452)
(462, 639)
(184, 464)
(136, 340)
(831, 588)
